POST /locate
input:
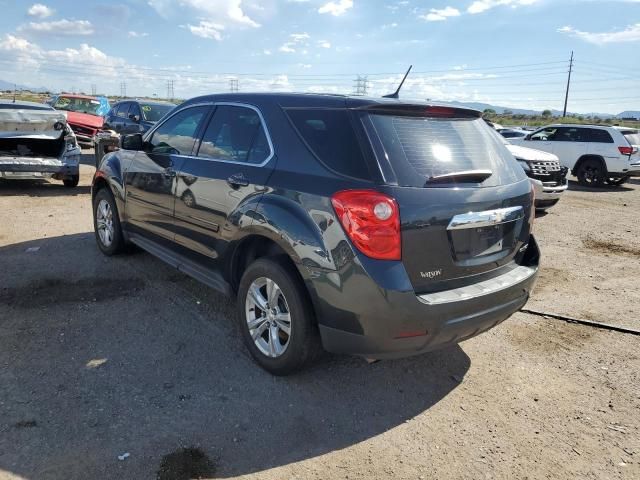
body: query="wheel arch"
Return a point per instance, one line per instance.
(586, 157)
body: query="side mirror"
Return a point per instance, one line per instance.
(132, 142)
(135, 118)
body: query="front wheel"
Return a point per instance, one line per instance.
(591, 173)
(72, 181)
(277, 322)
(106, 223)
(616, 182)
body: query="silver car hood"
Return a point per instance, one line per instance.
(25, 123)
(531, 154)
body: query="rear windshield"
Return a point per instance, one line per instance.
(330, 136)
(419, 148)
(633, 137)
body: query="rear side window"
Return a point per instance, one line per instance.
(595, 135)
(330, 136)
(419, 148)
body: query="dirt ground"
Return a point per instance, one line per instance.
(123, 368)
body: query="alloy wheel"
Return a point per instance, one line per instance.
(104, 222)
(268, 317)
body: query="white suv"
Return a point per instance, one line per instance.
(594, 154)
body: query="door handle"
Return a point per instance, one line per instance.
(237, 180)
(169, 172)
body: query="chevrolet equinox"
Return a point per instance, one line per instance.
(375, 227)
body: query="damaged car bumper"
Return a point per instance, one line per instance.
(34, 168)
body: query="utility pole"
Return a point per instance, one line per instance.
(170, 92)
(566, 95)
(233, 85)
(361, 85)
(94, 88)
(123, 89)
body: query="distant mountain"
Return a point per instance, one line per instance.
(524, 111)
(10, 86)
(629, 114)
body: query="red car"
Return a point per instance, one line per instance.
(84, 114)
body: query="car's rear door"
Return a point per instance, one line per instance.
(465, 203)
(150, 180)
(230, 167)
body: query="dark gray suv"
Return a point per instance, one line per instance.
(375, 227)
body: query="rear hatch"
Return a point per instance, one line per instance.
(465, 203)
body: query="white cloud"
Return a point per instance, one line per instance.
(40, 11)
(629, 34)
(336, 8)
(480, 6)
(221, 12)
(60, 27)
(133, 34)
(287, 48)
(299, 37)
(206, 29)
(324, 44)
(440, 14)
(266, 52)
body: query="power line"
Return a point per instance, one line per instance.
(360, 85)
(170, 91)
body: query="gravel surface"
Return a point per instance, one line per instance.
(125, 368)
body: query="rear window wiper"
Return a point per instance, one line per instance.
(465, 176)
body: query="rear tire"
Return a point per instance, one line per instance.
(276, 319)
(106, 223)
(71, 182)
(591, 173)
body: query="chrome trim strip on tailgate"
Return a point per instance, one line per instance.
(486, 218)
(487, 287)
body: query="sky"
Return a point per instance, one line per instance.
(512, 53)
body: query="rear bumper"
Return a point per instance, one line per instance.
(396, 324)
(17, 167)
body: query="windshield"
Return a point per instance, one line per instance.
(420, 148)
(82, 105)
(154, 112)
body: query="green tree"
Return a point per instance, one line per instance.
(489, 111)
(546, 113)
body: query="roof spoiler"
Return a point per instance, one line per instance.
(421, 110)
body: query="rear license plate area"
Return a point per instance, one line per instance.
(477, 243)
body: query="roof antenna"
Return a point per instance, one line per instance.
(397, 92)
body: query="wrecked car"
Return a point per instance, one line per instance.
(37, 143)
(84, 114)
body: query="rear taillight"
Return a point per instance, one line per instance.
(372, 222)
(626, 150)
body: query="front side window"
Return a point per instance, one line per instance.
(235, 134)
(544, 134)
(177, 134)
(123, 110)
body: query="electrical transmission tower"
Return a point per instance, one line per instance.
(94, 89)
(233, 85)
(566, 95)
(170, 93)
(123, 89)
(360, 85)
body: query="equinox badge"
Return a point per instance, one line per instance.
(432, 274)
